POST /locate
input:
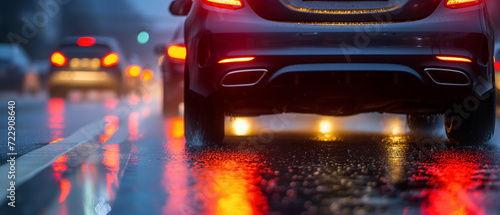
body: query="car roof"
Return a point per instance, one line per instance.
(99, 40)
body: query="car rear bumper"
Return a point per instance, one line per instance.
(307, 64)
(83, 79)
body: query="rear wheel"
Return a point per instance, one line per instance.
(424, 123)
(475, 124)
(203, 120)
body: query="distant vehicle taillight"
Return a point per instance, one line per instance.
(85, 41)
(229, 4)
(133, 70)
(58, 59)
(462, 3)
(177, 52)
(110, 59)
(147, 75)
(497, 65)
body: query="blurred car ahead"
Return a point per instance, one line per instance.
(172, 67)
(421, 58)
(41, 67)
(15, 70)
(85, 63)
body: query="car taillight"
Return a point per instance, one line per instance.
(110, 59)
(236, 60)
(147, 75)
(58, 59)
(454, 59)
(462, 3)
(228, 4)
(497, 66)
(177, 52)
(134, 70)
(85, 41)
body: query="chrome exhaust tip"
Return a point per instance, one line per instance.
(243, 78)
(448, 77)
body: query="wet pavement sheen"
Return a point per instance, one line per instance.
(142, 165)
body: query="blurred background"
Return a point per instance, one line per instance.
(38, 26)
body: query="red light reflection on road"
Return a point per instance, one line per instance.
(56, 112)
(59, 166)
(111, 103)
(56, 106)
(65, 188)
(229, 183)
(174, 128)
(452, 174)
(175, 175)
(133, 126)
(56, 140)
(111, 160)
(110, 128)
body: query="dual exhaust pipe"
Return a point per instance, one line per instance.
(251, 77)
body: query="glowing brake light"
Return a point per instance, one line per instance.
(85, 41)
(235, 60)
(229, 4)
(497, 65)
(147, 75)
(177, 52)
(133, 70)
(462, 3)
(58, 59)
(110, 59)
(454, 59)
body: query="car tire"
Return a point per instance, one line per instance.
(424, 123)
(473, 127)
(203, 120)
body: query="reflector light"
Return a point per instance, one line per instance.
(85, 41)
(454, 59)
(110, 59)
(235, 60)
(58, 59)
(177, 52)
(147, 75)
(229, 4)
(133, 70)
(462, 3)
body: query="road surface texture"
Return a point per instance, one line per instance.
(122, 156)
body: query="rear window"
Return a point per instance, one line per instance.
(96, 51)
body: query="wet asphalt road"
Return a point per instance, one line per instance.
(43, 120)
(139, 163)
